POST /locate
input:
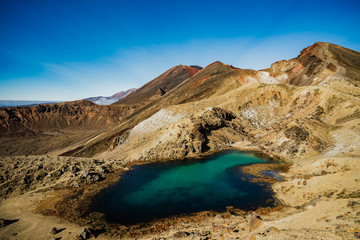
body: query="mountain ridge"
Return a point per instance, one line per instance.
(23, 103)
(101, 100)
(302, 112)
(218, 78)
(165, 82)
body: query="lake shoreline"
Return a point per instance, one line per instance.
(81, 211)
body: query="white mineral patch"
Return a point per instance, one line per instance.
(259, 116)
(345, 142)
(281, 78)
(250, 113)
(273, 103)
(264, 77)
(160, 119)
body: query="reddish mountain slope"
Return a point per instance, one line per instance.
(320, 64)
(156, 88)
(317, 62)
(312, 67)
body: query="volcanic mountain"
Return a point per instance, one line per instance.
(325, 64)
(156, 88)
(109, 100)
(62, 124)
(304, 111)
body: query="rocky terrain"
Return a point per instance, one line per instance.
(62, 128)
(303, 111)
(44, 128)
(48, 117)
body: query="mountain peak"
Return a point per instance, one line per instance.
(196, 67)
(316, 48)
(166, 81)
(318, 63)
(109, 100)
(123, 94)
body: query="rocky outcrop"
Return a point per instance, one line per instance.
(296, 133)
(199, 135)
(22, 174)
(318, 64)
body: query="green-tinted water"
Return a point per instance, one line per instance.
(164, 189)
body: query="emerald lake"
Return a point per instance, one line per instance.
(158, 190)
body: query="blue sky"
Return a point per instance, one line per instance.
(66, 50)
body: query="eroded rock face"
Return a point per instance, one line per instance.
(280, 120)
(197, 136)
(296, 133)
(81, 115)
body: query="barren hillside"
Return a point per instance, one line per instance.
(49, 128)
(304, 112)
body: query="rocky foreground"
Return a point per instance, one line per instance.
(320, 200)
(304, 112)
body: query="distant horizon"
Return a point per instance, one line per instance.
(37, 100)
(66, 50)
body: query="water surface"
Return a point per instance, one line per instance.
(179, 187)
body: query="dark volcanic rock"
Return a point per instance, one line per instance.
(85, 233)
(181, 234)
(53, 230)
(296, 133)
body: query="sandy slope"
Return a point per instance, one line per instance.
(30, 225)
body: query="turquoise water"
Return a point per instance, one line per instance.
(165, 189)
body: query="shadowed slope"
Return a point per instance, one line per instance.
(156, 88)
(80, 115)
(320, 63)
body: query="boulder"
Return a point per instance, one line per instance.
(2, 223)
(96, 178)
(27, 179)
(85, 173)
(255, 221)
(40, 175)
(353, 204)
(181, 234)
(53, 230)
(85, 233)
(234, 211)
(73, 169)
(296, 133)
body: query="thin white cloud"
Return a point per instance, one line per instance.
(134, 67)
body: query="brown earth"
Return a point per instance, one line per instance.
(304, 111)
(46, 128)
(154, 89)
(54, 128)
